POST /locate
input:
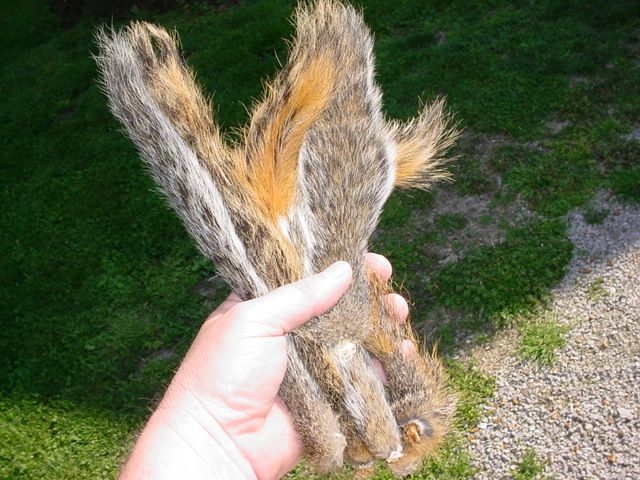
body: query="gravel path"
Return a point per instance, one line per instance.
(582, 415)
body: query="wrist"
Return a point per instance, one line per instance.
(182, 440)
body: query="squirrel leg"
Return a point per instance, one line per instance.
(417, 390)
(346, 372)
(315, 421)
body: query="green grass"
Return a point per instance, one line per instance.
(553, 182)
(508, 279)
(451, 221)
(529, 468)
(540, 339)
(470, 178)
(626, 183)
(59, 440)
(98, 278)
(473, 388)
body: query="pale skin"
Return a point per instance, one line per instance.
(221, 416)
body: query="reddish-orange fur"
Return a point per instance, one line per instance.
(420, 144)
(272, 171)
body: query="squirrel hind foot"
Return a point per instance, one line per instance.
(420, 437)
(416, 430)
(394, 455)
(330, 458)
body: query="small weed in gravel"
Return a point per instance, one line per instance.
(596, 291)
(530, 468)
(540, 339)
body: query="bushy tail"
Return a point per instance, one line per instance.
(164, 113)
(421, 146)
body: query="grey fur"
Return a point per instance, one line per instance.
(196, 199)
(346, 169)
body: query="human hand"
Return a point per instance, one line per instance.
(221, 416)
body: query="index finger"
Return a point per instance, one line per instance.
(379, 264)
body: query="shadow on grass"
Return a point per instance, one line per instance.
(493, 284)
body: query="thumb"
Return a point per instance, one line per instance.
(288, 307)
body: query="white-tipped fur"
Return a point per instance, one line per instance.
(171, 162)
(191, 190)
(319, 161)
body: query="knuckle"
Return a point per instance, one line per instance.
(244, 310)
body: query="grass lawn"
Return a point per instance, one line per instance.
(101, 290)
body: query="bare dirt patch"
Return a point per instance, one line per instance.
(485, 222)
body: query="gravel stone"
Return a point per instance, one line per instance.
(580, 415)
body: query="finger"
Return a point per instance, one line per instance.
(408, 349)
(231, 301)
(379, 264)
(288, 307)
(398, 307)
